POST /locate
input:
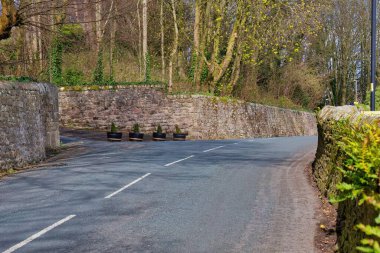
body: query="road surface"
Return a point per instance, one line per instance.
(195, 196)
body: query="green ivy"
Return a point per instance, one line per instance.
(148, 73)
(56, 60)
(205, 72)
(99, 69)
(194, 62)
(111, 79)
(73, 77)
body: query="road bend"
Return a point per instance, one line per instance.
(196, 196)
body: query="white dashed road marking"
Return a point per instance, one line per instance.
(128, 185)
(35, 236)
(169, 164)
(208, 150)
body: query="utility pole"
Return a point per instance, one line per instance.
(373, 56)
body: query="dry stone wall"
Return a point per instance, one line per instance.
(328, 158)
(200, 116)
(29, 122)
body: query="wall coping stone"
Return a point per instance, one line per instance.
(40, 87)
(351, 113)
(95, 87)
(173, 96)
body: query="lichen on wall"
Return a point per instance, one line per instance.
(201, 117)
(28, 122)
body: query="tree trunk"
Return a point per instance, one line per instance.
(76, 9)
(197, 26)
(112, 46)
(162, 41)
(98, 73)
(218, 27)
(90, 28)
(195, 55)
(40, 49)
(205, 38)
(175, 46)
(344, 88)
(59, 16)
(235, 70)
(98, 24)
(218, 70)
(34, 39)
(139, 48)
(145, 38)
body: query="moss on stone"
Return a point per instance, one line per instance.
(328, 158)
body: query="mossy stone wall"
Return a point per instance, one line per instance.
(328, 158)
(201, 117)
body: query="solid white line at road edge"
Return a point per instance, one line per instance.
(212, 149)
(35, 236)
(128, 185)
(169, 164)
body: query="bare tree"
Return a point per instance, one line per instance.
(175, 46)
(145, 37)
(162, 40)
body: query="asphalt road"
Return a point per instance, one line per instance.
(201, 196)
